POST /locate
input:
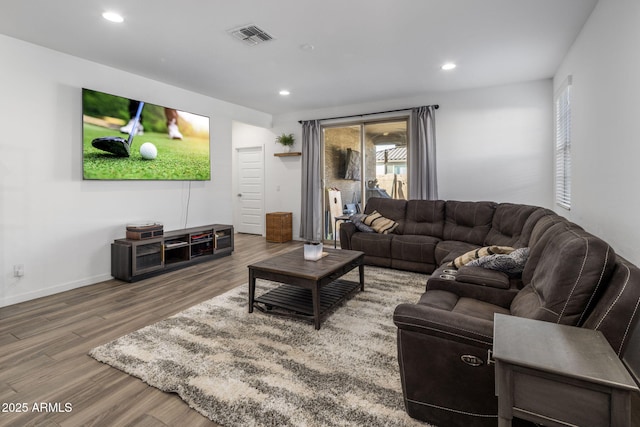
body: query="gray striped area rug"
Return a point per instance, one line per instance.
(241, 369)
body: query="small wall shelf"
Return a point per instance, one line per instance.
(294, 153)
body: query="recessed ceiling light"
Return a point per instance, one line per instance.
(113, 17)
(285, 92)
(448, 66)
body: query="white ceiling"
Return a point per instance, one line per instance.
(365, 50)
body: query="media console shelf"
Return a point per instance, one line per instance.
(133, 260)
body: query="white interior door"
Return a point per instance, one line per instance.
(250, 197)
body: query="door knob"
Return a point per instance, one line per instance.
(239, 194)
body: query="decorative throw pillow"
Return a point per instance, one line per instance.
(511, 264)
(379, 223)
(479, 253)
(357, 221)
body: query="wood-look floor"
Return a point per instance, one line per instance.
(44, 344)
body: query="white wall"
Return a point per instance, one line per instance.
(54, 223)
(495, 144)
(492, 144)
(605, 66)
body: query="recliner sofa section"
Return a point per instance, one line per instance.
(433, 232)
(411, 246)
(570, 277)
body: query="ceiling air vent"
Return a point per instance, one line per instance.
(251, 35)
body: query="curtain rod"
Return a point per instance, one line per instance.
(436, 106)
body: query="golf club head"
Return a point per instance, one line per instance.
(112, 144)
(115, 144)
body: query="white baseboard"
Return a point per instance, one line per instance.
(28, 296)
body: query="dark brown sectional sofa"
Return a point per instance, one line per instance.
(433, 232)
(570, 277)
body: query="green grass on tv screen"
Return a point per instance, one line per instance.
(186, 159)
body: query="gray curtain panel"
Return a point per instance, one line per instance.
(311, 210)
(423, 181)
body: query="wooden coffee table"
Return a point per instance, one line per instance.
(311, 288)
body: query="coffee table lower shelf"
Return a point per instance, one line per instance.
(294, 301)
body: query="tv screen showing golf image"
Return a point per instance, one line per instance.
(129, 139)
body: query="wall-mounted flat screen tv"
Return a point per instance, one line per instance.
(124, 139)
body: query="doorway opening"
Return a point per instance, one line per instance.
(249, 209)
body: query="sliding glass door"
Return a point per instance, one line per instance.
(386, 145)
(362, 160)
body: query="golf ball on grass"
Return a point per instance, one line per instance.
(148, 151)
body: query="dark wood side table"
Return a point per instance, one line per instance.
(313, 276)
(558, 375)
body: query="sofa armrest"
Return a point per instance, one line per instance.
(497, 296)
(483, 277)
(445, 324)
(347, 230)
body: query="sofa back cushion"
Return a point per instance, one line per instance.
(511, 225)
(572, 267)
(468, 222)
(530, 224)
(548, 220)
(425, 217)
(545, 228)
(617, 310)
(394, 209)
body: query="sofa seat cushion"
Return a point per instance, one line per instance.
(373, 244)
(483, 277)
(448, 250)
(449, 301)
(414, 248)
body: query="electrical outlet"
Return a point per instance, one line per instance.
(18, 270)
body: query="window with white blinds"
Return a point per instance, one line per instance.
(563, 144)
